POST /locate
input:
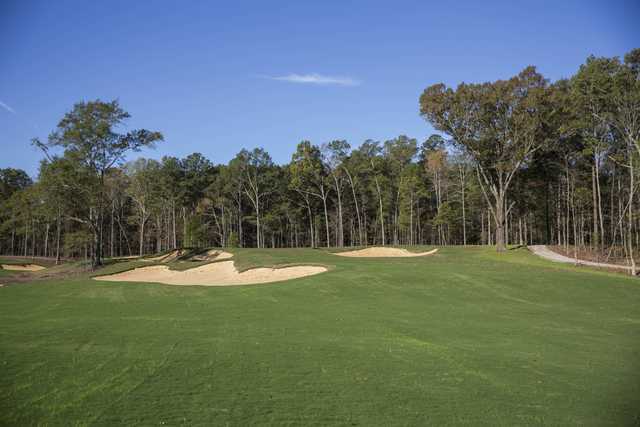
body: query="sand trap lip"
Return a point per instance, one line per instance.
(380, 252)
(22, 267)
(166, 257)
(213, 255)
(215, 274)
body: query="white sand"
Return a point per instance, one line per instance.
(22, 267)
(214, 274)
(381, 252)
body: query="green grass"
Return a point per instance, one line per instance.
(463, 337)
(4, 273)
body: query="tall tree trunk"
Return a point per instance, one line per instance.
(58, 232)
(355, 201)
(240, 231)
(500, 224)
(26, 237)
(185, 239)
(464, 218)
(112, 229)
(573, 216)
(258, 226)
(595, 241)
(313, 245)
(632, 260)
(13, 235)
(340, 225)
(600, 216)
(224, 227)
(46, 240)
(411, 241)
(381, 210)
(99, 226)
(159, 232)
(141, 247)
(326, 216)
(489, 236)
(173, 221)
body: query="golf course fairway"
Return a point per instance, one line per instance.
(463, 337)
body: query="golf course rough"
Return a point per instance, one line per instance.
(467, 337)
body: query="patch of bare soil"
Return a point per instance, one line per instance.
(381, 252)
(22, 267)
(214, 274)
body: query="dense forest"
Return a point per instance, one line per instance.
(516, 161)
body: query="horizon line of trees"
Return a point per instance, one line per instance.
(518, 161)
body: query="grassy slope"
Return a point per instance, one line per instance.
(464, 337)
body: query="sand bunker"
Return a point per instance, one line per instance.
(379, 252)
(212, 255)
(166, 257)
(214, 274)
(22, 267)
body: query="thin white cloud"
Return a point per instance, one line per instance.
(6, 107)
(317, 79)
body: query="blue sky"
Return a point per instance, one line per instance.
(215, 77)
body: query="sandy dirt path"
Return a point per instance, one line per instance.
(544, 252)
(215, 274)
(380, 252)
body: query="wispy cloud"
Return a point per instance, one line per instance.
(317, 79)
(6, 107)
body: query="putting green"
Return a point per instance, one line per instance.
(465, 336)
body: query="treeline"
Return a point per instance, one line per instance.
(518, 161)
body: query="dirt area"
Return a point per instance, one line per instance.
(214, 274)
(22, 267)
(381, 252)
